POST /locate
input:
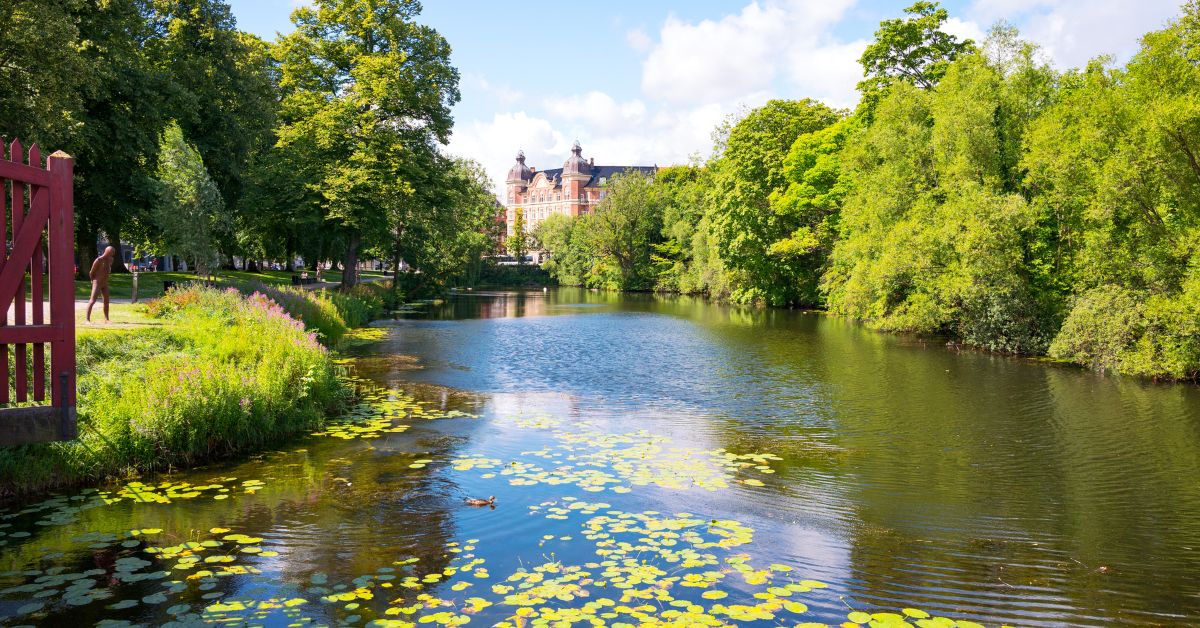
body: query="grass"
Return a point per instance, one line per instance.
(150, 285)
(201, 373)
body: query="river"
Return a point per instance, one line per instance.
(655, 457)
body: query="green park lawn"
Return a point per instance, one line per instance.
(150, 285)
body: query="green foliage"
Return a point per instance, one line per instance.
(934, 238)
(188, 211)
(914, 49)
(1118, 329)
(40, 104)
(227, 373)
(743, 223)
(519, 243)
(366, 97)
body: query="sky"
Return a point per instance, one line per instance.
(641, 82)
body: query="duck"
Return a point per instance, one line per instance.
(490, 501)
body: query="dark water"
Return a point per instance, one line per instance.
(902, 475)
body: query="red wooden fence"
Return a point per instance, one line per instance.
(39, 226)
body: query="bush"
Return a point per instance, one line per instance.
(229, 373)
(315, 308)
(1127, 331)
(382, 292)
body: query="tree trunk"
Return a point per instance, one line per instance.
(350, 272)
(86, 247)
(251, 266)
(290, 251)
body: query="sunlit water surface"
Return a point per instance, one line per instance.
(742, 451)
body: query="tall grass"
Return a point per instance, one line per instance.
(227, 373)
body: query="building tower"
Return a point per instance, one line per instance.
(576, 173)
(519, 177)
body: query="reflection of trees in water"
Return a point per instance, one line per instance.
(962, 479)
(1002, 480)
(343, 508)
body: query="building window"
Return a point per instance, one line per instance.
(603, 180)
(602, 195)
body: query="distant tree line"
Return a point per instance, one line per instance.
(196, 139)
(975, 192)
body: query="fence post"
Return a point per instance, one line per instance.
(62, 288)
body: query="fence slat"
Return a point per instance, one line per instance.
(39, 197)
(21, 358)
(4, 187)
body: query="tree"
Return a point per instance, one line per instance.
(37, 105)
(189, 211)
(935, 236)
(519, 242)
(625, 226)
(749, 171)
(449, 223)
(913, 49)
(807, 210)
(1115, 164)
(366, 91)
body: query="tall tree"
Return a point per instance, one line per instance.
(365, 87)
(625, 226)
(519, 242)
(913, 49)
(749, 171)
(188, 210)
(223, 88)
(42, 70)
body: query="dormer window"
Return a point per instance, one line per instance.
(603, 180)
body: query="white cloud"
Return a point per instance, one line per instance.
(639, 40)
(720, 60)
(1072, 32)
(965, 29)
(598, 111)
(495, 143)
(828, 73)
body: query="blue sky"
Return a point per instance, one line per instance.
(640, 82)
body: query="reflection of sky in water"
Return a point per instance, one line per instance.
(966, 484)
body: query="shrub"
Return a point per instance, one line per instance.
(228, 373)
(1127, 331)
(315, 308)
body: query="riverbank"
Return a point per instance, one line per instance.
(196, 375)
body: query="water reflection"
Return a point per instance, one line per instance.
(1014, 490)
(902, 474)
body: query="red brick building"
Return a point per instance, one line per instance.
(573, 190)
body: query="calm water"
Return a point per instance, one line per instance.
(616, 435)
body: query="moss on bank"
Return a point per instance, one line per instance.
(224, 373)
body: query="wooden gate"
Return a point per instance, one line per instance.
(37, 209)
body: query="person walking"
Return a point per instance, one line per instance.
(101, 269)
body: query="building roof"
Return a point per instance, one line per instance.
(554, 175)
(575, 163)
(519, 171)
